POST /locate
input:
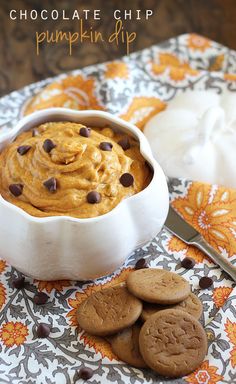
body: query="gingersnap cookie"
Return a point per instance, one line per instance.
(125, 345)
(109, 311)
(158, 286)
(191, 305)
(173, 343)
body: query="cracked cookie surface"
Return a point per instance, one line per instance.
(191, 305)
(109, 311)
(158, 286)
(173, 343)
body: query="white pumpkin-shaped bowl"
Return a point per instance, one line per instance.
(195, 137)
(63, 247)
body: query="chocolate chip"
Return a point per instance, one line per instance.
(43, 330)
(40, 298)
(141, 263)
(85, 373)
(35, 132)
(188, 263)
(23, 149)
(85, 132)
(205, 282)
(48, 145)
(18, 283)
(51, 184)
(16, 189)
(93, 197)
(105, 146)
(126, 180)
(124, 143)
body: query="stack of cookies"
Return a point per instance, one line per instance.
(169, 338)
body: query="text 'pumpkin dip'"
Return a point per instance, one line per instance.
(64, 168)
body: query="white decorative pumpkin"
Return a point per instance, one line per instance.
(195, 137)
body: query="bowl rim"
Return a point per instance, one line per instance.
(144, 148)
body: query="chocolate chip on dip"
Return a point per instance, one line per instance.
(124, 143)
(93, 197)
(51, 184)
(105, 146)
(23, 149)
(85, 132)
(126, 180)
(48, 145)
(16, 189)
(87, 167)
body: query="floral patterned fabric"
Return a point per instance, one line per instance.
(135, 88)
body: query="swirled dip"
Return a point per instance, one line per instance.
(65, 168)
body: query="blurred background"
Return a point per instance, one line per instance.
(19, 64)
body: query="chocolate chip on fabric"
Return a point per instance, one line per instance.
(105, 146)
(93, 197)
(188, 263)
(43, 330)
(23, 149)
(48, 145)
(51, 184)
(85, 373)
(140, 264)
(19, 282)
(124, 143)
(126, 180)
(16, 189)
(205, 282)
(85, 132)
(40, 298)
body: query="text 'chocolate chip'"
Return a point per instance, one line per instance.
(51, 184)
(16, 189)
(105, 146)
(126, 180)
(43, 330)
(48, 145)
(23, 149)
(93, 197)
(85, 132)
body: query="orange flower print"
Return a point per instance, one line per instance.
(205, 374)
(75, 92)
(220, 295)
(217, 63)
(2, 265)
(233, 357)
(142, 109)
(2, 295)
(214, 219)
(58, 285)
(116, 69)
(13, 333)
(99, 344)
(230, 328)
(198, 43)
(230, 76)
(176, 245)
(177, 69)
